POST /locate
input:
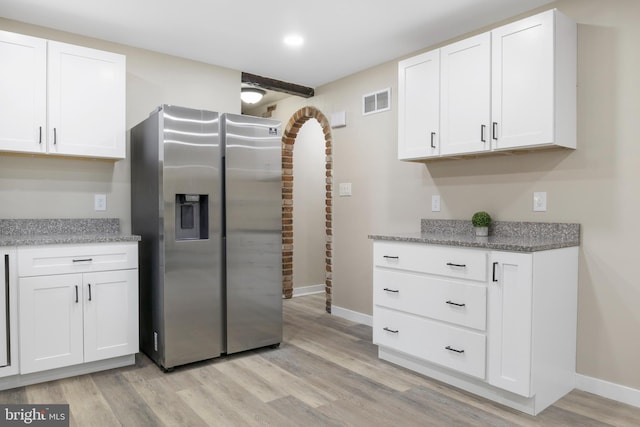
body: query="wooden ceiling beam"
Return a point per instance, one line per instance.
(277, 85)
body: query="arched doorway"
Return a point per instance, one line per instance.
(290, 133)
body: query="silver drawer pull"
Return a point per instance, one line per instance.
(393, 331)
(455, 350)
(395, 291)
(83, 260)
(455, 303)
(390, 257)
(450, 264)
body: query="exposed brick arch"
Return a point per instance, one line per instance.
(296, 121)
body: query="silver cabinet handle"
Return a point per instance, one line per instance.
(451, 264)
(89, 291)
(55, 136)
(83, 260)
(395, 291)
(393, 331)
(76, 294)
(455, 350)
(40, 136)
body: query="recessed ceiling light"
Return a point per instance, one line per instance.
(293, 40)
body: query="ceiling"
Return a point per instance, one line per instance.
(341, 36)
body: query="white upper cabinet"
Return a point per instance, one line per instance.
(66, 100)
(419, 106)
(466, 95)
(23, 97)
(511, 88)
(534, 83)
(86, 102)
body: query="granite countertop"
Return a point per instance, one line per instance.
(504, 235)
(30, 232)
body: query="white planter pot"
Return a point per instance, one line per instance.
(482, 231)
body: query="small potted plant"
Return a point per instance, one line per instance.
(481, 221)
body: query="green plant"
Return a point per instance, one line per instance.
(481, 219)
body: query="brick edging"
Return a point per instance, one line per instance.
(290, 133)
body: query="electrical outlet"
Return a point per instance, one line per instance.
(100, 202)
(435, 203)
(540, 201)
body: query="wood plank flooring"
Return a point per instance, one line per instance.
(325, 373)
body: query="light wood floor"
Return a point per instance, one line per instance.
(325, 373)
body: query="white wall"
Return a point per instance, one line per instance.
(38, 187)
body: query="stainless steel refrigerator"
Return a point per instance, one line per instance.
(206, 199)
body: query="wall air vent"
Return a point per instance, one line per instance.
(376, 102)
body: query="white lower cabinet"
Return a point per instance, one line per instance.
(510, 298)
(79, 317)
(504, 328)
(456, 348)
(110, 314)
(50, 322)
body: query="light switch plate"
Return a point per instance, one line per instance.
(100, 202)
(344, 189)
(338, 119)
(435, 203)
(540, 201)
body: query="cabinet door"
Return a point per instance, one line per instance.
(5, 311)
(86, 98)
(110, 314)
(50, 322)
(509, 322)
(466, 96)
(419, 106)
(523, 83)
(22, 93)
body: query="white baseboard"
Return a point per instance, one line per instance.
(308, 290)
(354, 316)
(620, 393)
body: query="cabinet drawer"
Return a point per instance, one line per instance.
(449, 346)
(63, 259)
(460, 303)
(460, 263)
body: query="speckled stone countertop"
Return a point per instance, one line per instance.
(28, 232)
(503, 235)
